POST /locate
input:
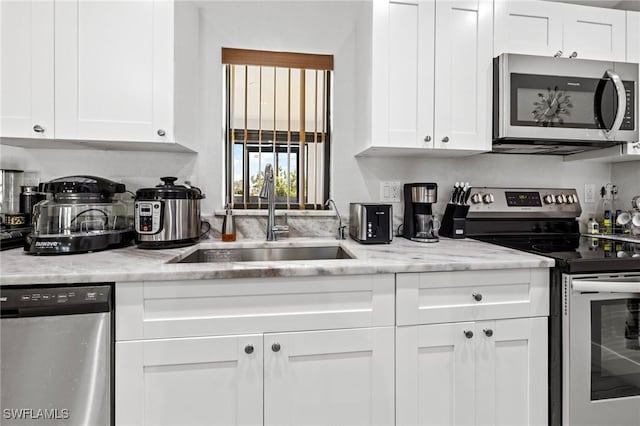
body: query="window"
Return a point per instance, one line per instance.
(277, 112)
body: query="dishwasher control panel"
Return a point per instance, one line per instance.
(48, 300)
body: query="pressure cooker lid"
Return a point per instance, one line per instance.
(168, 190)
(82, 188)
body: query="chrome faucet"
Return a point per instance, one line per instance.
(341, 227)
(268, 192)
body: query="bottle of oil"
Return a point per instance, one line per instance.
(228, 225)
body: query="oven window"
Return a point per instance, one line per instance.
(564, 102)
(615, 349)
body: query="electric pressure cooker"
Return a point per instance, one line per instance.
(168, 215)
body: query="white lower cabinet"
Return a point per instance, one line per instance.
(472, 373)
(333, 377)
(192, 381)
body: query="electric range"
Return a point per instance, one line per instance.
(594, 306)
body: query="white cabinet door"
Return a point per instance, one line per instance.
(528, 27)
(337, 377)
(594, 33)
(114, 70)
(435, 375)
(511, 372)
(403, 44)
(633, 36)
(194, 381)
(463, 74)
(26, 69)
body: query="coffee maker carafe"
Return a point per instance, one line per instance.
(419, 222)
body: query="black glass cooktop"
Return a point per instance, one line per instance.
(577, 253)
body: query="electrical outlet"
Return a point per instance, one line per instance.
(589, 192)
(390, 192)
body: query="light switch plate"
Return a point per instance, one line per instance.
(589, 192)
(390, 192)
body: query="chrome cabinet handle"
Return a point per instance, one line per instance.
(161, 132)
(275, 347)
(445, 139)
(636, 145)
(468, 334)
(558, 54)
(488, 332)
(477, 297)
(248, 349)
(574, 55)
(427, 138)
(38, 128)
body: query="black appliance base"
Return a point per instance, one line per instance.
(157, 245)
(74, 244)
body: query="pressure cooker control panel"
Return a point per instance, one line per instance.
(148, 217)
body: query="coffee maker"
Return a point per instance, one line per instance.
(419, 222)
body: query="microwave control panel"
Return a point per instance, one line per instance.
(628, 120)
(148, 217)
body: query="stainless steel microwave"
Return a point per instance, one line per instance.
(546, 105)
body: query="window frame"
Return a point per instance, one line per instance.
(320, 63)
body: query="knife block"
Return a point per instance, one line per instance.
(454, 220)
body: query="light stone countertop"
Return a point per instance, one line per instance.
(134, 264)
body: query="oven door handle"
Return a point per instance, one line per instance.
(622, 101)
(606, 286)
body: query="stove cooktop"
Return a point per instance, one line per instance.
(578, 253)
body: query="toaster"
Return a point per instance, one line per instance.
(371, 223)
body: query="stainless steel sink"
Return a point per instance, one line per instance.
(266, 254)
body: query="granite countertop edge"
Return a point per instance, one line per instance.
(132, 264)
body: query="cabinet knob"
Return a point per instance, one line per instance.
(275, 347)
(477, 297)
(38, 128)
(161, 132)
(574, 55)
(248, 349)
(636, 145)
(468, 334)
(558, 54)
(488, 332)
(445, 139)
(427, 138)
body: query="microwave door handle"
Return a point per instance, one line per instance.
(622, 102)
(606, 286)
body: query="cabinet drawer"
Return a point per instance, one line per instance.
(439, 297)
(147, 310)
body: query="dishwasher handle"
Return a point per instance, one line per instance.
(603, 286)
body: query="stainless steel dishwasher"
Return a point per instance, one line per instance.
(56, 355)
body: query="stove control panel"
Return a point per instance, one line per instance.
(495, 202)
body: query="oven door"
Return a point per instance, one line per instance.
(601, 350)
(560, 99)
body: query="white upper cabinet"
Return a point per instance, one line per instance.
(463, 75)
(530, 27)
(567, 30)
(594, 33)
(103, 73)
(633, 36)
(113, 70)
(26, 73)
(430, 77)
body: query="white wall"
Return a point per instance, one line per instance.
(627, 177)
(313, 27)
